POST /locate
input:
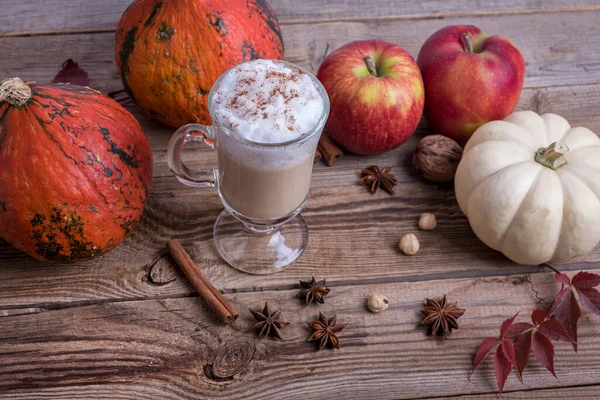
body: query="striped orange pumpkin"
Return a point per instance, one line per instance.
(75, 170)
(169, 53)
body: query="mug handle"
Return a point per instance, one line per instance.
(185, 134)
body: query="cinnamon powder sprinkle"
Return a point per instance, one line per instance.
(260, 104)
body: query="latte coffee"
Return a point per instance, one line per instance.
(270, 106)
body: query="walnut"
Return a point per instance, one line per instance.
(409, 244)
(437, 158)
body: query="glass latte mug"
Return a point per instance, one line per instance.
(263, 186)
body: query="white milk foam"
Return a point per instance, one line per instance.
(267, 102)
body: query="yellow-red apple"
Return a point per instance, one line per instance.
(376, 94)
(470, 79)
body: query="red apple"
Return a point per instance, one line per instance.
(376, 94)
(470, 79)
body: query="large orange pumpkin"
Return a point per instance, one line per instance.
(170, 52)
(75, 170)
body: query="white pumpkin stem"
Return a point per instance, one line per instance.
(15, 92)
(553, 155)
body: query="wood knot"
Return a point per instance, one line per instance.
(162, 271)
(231, 359)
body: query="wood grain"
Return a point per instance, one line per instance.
(31, 16)
(571, 393)
(353, 235)
(554, 56)
(159, 349)
(130, 326)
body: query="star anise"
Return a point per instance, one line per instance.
(374, 177)
(325, 329)
(268, 324)
(314, 291)
(441, 317)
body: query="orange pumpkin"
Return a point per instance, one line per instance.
(169, 53)
(75, 170)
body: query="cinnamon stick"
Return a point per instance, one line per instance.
(215, 300)
(318, 155)
(330, 151)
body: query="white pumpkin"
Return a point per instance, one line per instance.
(523, 196)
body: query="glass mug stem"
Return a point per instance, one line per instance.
(192, 133)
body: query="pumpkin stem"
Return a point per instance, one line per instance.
(553, 155)
(15, 92)
(371, 67)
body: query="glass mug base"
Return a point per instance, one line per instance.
(260, 251)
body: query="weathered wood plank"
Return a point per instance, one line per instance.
(159, 349)
(31, 16)
(555, 46)
(353, 235)
(571, 393)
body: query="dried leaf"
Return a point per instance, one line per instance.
(543, 351)
(502, 367)
(71, 72)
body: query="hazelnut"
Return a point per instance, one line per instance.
(409, 244)
(377, 303)
(437, 158)
(427, 222)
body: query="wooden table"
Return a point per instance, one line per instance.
(129, 326)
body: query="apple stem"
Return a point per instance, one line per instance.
(371, 66)
(468, 45)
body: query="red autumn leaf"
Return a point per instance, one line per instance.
(483, 351)
(71, 72)
(543, 351)
(590, 298)
(562, 278)
(504, 357)
(506, 325)
(502, 367)
(522, 351)
(538, 316)
(509, 352)
(517, 329)
(550, 328)
(566, 310)
(584, 283)
(557, 324)
(586, 280)
(554, 330)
